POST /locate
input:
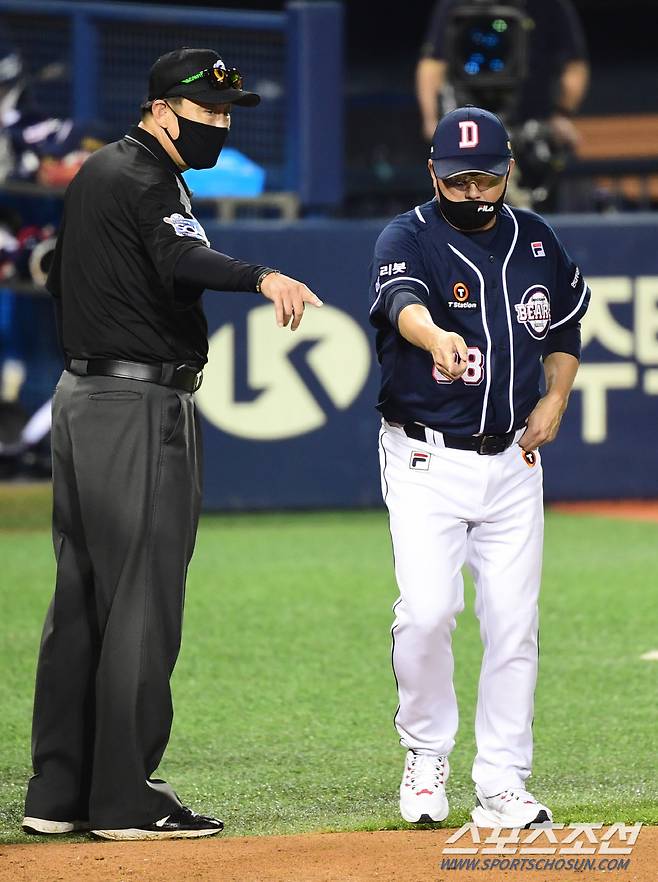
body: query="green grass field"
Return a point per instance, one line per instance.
(284, 694)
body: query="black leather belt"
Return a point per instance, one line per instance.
(486, 445)
(180, 376)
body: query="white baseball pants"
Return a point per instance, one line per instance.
(449, 507)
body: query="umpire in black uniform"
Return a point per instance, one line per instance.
(130, 266)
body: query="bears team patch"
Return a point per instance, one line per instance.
(534, 311)
(187, 226)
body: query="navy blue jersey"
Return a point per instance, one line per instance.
(512, 293)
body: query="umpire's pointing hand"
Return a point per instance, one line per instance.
(288, 296)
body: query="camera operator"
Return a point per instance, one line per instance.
(539, 101)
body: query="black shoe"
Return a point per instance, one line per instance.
(181, 824)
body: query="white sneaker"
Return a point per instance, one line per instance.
(511, 808)
(42, 826)
(422, 791)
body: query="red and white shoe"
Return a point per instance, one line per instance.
(510, 808)
(422, 791)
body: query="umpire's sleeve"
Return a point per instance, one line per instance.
(167, 231)
(398, 276)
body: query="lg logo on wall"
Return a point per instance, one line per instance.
(266, 383)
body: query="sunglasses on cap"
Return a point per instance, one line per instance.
(217, 77)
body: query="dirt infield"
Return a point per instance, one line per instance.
(397, 856)
(626, 509)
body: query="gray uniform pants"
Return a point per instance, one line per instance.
(126, 488)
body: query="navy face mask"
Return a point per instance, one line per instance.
(471, 214)
(198, 144)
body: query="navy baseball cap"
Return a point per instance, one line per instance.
(470, 139)
(201, 76)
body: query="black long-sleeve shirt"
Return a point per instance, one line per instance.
(132, 260)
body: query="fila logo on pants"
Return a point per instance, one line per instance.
(419, 460)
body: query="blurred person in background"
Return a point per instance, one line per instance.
(12, 90)
(36, 145)
(39, 148)
(12, 369)
(525, 60)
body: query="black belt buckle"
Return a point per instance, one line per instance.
(187, 377)
(492, 444)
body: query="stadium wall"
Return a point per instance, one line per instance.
(289, 419)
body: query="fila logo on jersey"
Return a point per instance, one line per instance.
(534, 311)
(461, 294)
(420, 461)
(470, 134)
(538, 249)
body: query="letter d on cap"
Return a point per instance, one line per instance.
(469, 133)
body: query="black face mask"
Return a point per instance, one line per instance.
(198, 144)
(471, 214)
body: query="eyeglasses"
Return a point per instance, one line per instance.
(218, 77)
(482, 182)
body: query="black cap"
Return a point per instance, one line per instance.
(169, 71)
(470, 139)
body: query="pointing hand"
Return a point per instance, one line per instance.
(289, 297)
(450, 354)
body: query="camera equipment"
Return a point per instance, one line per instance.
(487, 53)
(540, 159)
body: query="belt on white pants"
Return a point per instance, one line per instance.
(485, 445)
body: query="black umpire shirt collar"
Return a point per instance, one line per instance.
(154, 147)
